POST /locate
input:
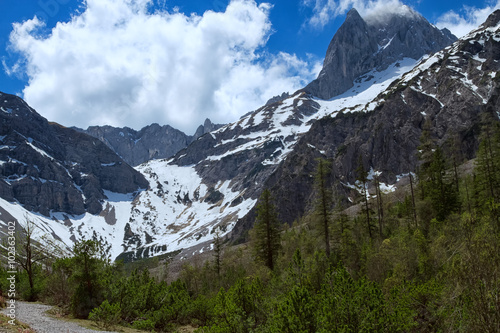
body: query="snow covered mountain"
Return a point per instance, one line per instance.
(450, 91)
(374, 42)
(216, 180)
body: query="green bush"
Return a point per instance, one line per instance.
(106, 316)
(144, 324)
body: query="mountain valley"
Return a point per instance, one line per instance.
(372, 105)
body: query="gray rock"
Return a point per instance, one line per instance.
(48, 167)
(360, 46)
(151, 142)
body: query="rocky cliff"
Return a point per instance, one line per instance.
(46, 167)
(360, 46)
(151, 142)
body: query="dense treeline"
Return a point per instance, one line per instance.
(426, 259)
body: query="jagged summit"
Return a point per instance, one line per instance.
(151, 142)
(383, 16)
(361, 45)
(353, 17)
(492, 20)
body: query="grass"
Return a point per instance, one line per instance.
(58, 313)
(19, 327)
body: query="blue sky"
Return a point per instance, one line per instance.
(134, 62)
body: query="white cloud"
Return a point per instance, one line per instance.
(468, 19)
(118, 64)
(325, 11)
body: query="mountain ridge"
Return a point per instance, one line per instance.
(48, 167)
(214, 183)
(151, 142)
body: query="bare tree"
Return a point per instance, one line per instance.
(28, 255)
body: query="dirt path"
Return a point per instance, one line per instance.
(34, 315)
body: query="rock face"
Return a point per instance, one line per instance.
(47, 167)
(151, 142)
(360, 46)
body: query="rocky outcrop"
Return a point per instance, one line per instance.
(360, 46)
(47, 167)
(207, 127)
(151, 142)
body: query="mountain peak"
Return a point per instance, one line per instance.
(353, 14)
(386, 14)
(492, 20)
(384, 37)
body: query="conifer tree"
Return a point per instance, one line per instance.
(324, 198)
(434, 181)
(487, 180)
(362, 179)
(266, 231)
(88, 265)
(414, 209)
(217, 242)
(425, 156)
(380, 204)
(342, 230)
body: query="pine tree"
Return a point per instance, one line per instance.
(435, 183)
(362, 180)
(380, 204)
(425, 156)
(487, 180)
(88, 266)
(217, 242)
(414, 208)
(342, 230)
(324, 198)
(456, 159)
(266, 231)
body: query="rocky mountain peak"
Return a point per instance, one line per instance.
(353, 17)
(151, 142)
(207, 127)
(361, 45)
(492, 21)
(214, 183)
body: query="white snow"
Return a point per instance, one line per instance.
(7, 110)
(40, 151)
(178, 224)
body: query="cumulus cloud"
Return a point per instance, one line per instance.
(324, 11)
(466, 20)
(116, 63)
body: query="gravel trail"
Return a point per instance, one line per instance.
(34, 315)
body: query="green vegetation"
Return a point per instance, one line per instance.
(433, 265)
(266, 232)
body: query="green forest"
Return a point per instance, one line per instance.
(425, 258)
